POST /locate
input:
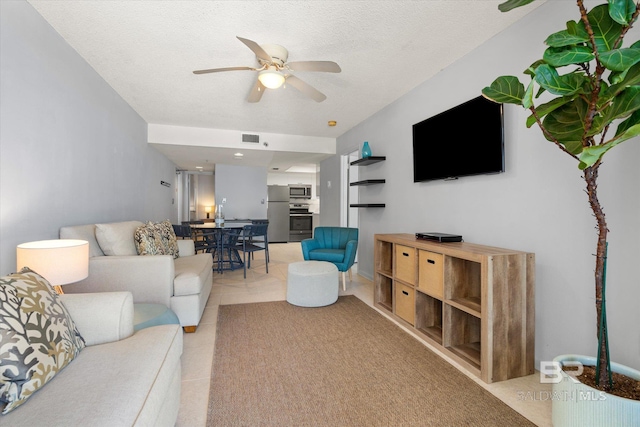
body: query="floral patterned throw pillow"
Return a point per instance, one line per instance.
(168, 238)
(156, 238)
(38, 338)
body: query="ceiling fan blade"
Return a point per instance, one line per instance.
(217, 70)
(256, 92)
(306, 88)
(255, 47)
(324, 66)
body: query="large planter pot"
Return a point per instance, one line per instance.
(576, 404)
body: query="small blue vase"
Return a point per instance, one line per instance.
(366, 151)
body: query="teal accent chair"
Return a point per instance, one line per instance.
(336, 245)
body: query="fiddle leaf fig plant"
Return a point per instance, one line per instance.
(584, 94)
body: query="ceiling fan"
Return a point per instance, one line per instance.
(274, 70)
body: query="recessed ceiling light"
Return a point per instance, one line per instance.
(332, 123)
(198, 167)
(238, 155)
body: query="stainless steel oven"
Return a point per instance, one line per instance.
(300, 222)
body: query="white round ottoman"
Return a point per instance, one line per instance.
(312, 283)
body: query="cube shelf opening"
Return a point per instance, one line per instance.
(462, 337)
(465, 284)
(385, 258)
(384, 292)
(429, 316)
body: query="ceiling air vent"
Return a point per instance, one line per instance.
(250, 138)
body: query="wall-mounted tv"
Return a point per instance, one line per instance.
(466, 140)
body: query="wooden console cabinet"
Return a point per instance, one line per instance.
(475, 303)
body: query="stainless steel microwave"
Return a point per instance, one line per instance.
(299, 191)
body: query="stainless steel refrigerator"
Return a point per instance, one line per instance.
(278, 213)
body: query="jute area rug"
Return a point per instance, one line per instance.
(276, 364)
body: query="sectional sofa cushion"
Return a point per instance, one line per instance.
(191, 275)
(117, 238)
(39, 338)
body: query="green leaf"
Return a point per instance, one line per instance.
(527, 99)
(564, 38)
(577, 29)
(505, 90)
(617, 76)
(512, 4)
(621, 11)
(532, 68)
(544, 109)
(603, 95)
(630, 132)
(634, 119)
(606, 31)
(561, 56)
(624, 104)
(574, 147)
(620, 59)
(566, 123)
(630, 78)
(590, 155)
(548, 78)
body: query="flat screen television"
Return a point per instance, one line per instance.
(466, 140)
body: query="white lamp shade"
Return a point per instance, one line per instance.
(271, 78)
(59, 261)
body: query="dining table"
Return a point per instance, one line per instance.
(221, 242)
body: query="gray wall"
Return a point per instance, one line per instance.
(71, 150)
(245, 188)
(537, 205)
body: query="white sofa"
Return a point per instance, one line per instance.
(183, 284)
(121, 378)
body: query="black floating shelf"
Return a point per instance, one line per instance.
(367, 205)
(368, 160)
(368, 182)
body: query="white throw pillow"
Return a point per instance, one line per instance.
(116, 238)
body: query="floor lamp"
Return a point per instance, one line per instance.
(61, 261)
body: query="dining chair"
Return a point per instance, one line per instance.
(258, 239)
(182, 231)
(254, 238)
(222, 244)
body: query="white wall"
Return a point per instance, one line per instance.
(71, 150)
(245, 188)
(537, 205)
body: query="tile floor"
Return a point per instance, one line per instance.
(526, 395)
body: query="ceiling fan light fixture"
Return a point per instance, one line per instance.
(271, 79)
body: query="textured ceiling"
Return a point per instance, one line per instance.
(146, 50)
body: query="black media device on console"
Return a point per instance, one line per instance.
(439, 237)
